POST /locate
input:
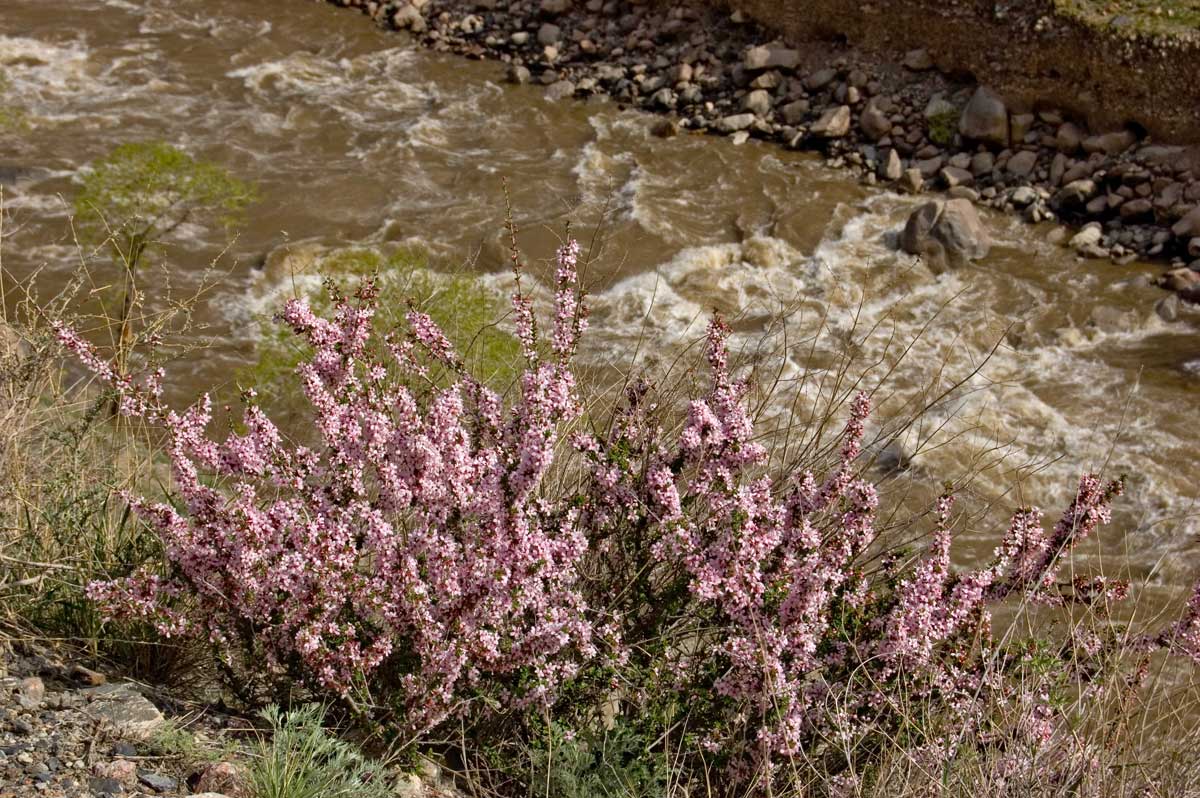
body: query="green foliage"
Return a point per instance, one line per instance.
(173, 739)
(617, 763)
(303, 760)
(140, 193)
(462, 306)
(943, 126)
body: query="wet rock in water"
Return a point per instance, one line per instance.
(1167, 308)
(833, 124)
(911, 181)
(985, 118)
(518, 74)
(1179, 279)
(757, 59)
(918, 60)
(945, 234)
(1089, 236)
(560, 90)
(664, 99)
(735, 122)
(408, 17)
(665, 129)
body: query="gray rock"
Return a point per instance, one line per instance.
(757, 102)
(833, 124)
(560, 90)
(918, 60)
(1068, 138)
(953, 176)
(1021, 164)
(157, 782)
(409, 786)
(555, 7)
(891, 168)
(664, 98)
(982, 163)
(874, 122)
(1058, 168)
(518, 74)
(1188, 226)
(795, 112)
(1137, 209)
(1110, 143)
(408, 17)
(665, 129)
(30, 692)
(1167, 308)
(985, 118)
(757, 59)
(1023, 196)
(1193, 248)
(1089, 236)
(125, 710)
(930, 166)
(549, 33)
(820, 79)
(946, 234)
(1183, 281)
(1075, 193)
(735, 122)
(911, 181)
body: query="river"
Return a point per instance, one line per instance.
(355, 137)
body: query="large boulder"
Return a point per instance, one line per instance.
(985, 118)
(945, 234)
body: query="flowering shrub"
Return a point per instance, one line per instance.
(418, 557)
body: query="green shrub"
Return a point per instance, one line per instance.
(303, 760)
(464, 308)
(618, 763)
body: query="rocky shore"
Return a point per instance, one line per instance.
(899, 123)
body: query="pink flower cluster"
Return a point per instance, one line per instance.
(413, 539)
(417, 548)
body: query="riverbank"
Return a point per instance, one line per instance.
(913, 120)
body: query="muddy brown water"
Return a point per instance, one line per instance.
(355, 137)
